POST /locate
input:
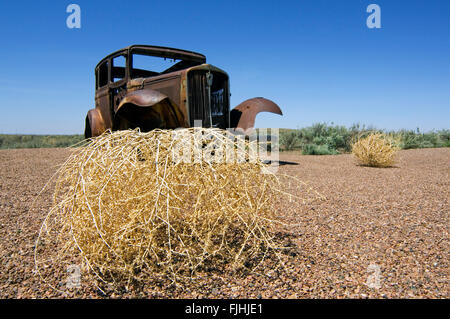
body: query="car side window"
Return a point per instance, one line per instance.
(118, 67)
(102, 74)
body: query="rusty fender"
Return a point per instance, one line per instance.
(95, 125)
(147, 109)
(242, 117)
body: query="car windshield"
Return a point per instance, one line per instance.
(146, 65)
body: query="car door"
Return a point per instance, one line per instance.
(102, 92)
(118, 79)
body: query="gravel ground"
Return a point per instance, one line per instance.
(380, 233)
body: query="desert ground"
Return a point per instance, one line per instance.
(378, 233)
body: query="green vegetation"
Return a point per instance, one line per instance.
(324, 139)
(37, 141)
(318, 139)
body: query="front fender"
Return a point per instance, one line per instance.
(147, 109)
(243, 116)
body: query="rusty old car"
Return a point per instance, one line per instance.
(131, 93)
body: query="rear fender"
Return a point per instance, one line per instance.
(95, 124)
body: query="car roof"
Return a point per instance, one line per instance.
(158, 51)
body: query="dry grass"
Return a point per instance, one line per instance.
(129, 208)
(375, 150)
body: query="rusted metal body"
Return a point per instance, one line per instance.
(190, 90)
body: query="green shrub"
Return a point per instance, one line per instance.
(319, 139)
(289, 140)
(409, 140)
(444, 136)
(322, 138)
(38, 141)
(313, 149)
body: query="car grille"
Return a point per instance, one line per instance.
(211, 108)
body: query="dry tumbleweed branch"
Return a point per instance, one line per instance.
(163, 202)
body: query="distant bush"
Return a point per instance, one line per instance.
(289, 140)
(38, 141)
(444, 136)
(324, 139)
(415, 139)
(318, 139)
(313, 149)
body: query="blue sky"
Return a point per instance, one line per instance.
(317, 59)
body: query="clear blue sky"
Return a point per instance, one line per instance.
(316, 58)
